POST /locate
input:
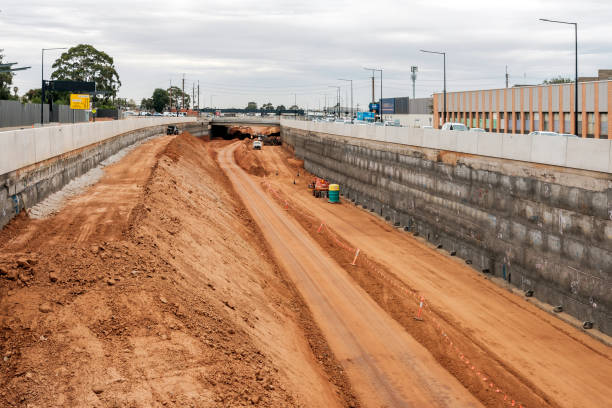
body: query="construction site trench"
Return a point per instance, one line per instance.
(205, 273)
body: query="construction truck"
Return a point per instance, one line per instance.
(319, 187)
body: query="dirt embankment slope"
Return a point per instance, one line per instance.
(154, 289)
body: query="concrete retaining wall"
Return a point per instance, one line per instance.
(565, 151)
(37, 162)
(543, 228)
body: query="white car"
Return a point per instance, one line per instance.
(257, 144)
(477, 130)
(454, 126)
(543, 133)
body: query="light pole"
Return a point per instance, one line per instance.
(576, 66)
(443, 54)
(351, 81)
(42, 80)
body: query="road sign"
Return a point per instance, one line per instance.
(79, 101)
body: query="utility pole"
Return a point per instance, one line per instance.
(351, 81)
(506, 76)
(192, 95)
(198, 94)
(373, 96)
(183, 105)
(336, 108)
(170, 92)
(413, 75)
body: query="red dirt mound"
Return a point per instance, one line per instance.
(153, 289)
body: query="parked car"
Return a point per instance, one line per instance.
(477, 130)
(257, 144)
(543, 133)
(395, 122)
(454, 126)
(568, 135)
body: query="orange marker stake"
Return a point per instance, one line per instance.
(356, 255)
(418, 316)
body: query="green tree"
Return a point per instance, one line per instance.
(176, 95)
(32, 96)
(267, 107)
(6, 80)
(146, 104)
(85, 63)
(281, 108)
(557, 80)
(160, 99)
(251, 106)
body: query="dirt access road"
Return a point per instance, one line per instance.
(386, 366)
(521, 345)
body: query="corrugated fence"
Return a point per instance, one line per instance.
(15, 113)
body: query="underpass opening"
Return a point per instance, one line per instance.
(243, 131)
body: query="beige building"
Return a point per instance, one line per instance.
(527, 108)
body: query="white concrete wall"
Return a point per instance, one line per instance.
(21, 148)
(564, 151)
(411, 120)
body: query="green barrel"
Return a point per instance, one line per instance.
(334, 193)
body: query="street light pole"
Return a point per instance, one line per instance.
(42, 81)
(351, 81)
(443, 54)
(576, 67)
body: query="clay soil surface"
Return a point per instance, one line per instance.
(155, 288)
(487, 337)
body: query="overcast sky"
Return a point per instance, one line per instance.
(269, 50)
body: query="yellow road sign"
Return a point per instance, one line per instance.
(79, 101)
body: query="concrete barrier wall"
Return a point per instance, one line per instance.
(22, 148)
(544, 228)
(564, 151)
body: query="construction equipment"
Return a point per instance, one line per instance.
(319, 187)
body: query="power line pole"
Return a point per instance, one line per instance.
(198, 94)
(170, 92)
(192, 94)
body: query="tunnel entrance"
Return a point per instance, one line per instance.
(237, 131)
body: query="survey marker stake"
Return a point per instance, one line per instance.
(418, 316)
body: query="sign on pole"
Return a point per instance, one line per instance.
(79, 101)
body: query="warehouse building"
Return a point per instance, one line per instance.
(409, 112)
(523, 109)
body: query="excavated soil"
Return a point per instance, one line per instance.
(155, 288)
(376, 271)
(248, 159)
